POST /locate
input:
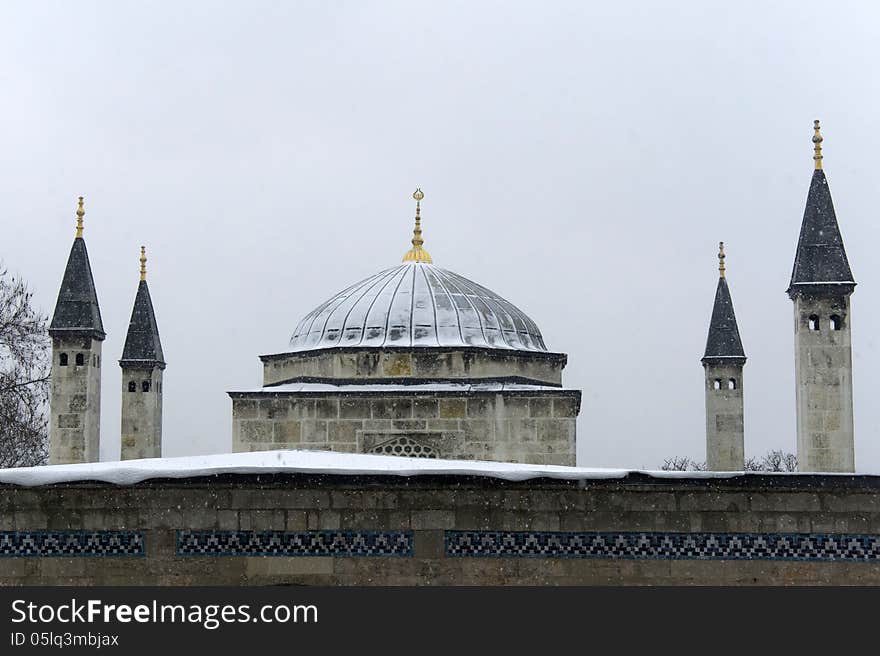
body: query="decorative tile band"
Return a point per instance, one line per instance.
(670, 546)
(295, 543)
(71, 543)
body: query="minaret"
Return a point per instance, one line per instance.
(723, 363)
(821, 284)
(77, 332)
(142, 365)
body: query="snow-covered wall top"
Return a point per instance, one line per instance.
(313, 462)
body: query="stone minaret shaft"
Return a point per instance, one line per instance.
(77, 333)
(821, 285)
(723, 364)
(142, 366)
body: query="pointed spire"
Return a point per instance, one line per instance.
(817, 145)
(723, 345)
(417, 253)
(76, 310)
(80, 213)
(142, 344)
(820, 258)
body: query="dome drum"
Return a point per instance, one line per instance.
(416, 365)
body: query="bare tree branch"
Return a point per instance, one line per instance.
(24, 376)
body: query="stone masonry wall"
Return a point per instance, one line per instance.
(724, 418)
(200, 531)
(141, 421)
(75, 421)
(823, 371)
(530, 427)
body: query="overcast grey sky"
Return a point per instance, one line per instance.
(581, 159)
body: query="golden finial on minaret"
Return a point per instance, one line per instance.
(721, 256)
(143, 263)
(817, 148)
(80, 213)
(417, 253)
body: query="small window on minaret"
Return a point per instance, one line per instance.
(836, 322)
(717, 384)
(132, 386)
(145, 386)
(80, 360)
(813, 322)
(731, 384)
(62, 360)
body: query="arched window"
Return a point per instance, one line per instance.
(731, 384)
(145, 386)
(813, 322)
(836, 322)
(132, 386)
(62, 360)
(80, 360)
(717, 384)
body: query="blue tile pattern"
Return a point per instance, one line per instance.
(71, 543)
(294, 543)
(670, 546)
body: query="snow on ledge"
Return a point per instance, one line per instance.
(129, 472)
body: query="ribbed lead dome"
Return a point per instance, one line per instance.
(419, 305)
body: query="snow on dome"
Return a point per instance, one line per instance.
(417, 304)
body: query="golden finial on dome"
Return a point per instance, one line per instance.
(817, 148)
(80, 213)
(143, 263)
(417, 253)
(721, 256)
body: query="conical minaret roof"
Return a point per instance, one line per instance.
(820, 259)
(76, 310)
(723, 345)
(142, 344)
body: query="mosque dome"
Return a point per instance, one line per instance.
(420, 305)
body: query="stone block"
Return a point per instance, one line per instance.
(343, 431)
(432, 519)
(565, 407)
(244, 409)
(428, 544)
(395, 365)
(296, 520)
(478, 407)
(260, 569)
(69, 421)
(255, 430)
(327, 408)
(354, 409)
(540, 407)
(408, 425)
(426, 408)
(453, 408)
(393, 408)
(329, 520)
(314, 431)
(287, 432)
